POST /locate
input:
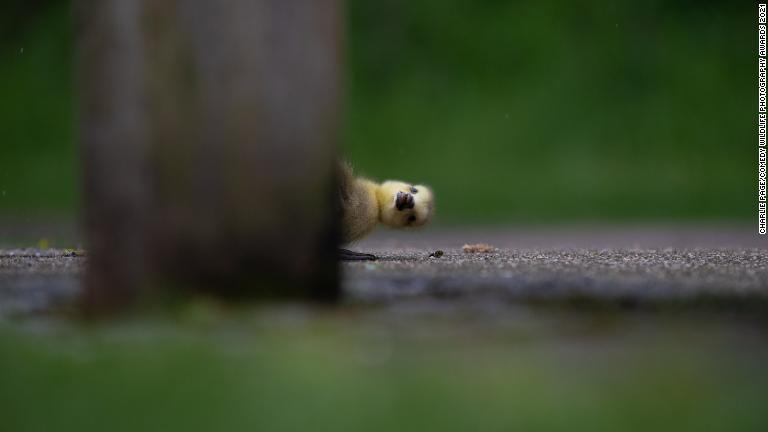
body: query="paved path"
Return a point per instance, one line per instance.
(626, 266)
(712, 267)
(625, 277)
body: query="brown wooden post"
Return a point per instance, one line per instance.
(209, 135)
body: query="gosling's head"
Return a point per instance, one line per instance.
(404, 205)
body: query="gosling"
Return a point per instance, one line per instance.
(365, 203)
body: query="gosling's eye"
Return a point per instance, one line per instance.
(414, 190)
(412, 218)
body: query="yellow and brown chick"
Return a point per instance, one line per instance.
(363, 204)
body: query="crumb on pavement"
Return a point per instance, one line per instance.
(478, 248)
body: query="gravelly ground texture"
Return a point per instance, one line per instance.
(604, 275)
(36, 281)
(723, 268)
(623, 266)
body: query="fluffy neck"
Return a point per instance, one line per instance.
(373, 191)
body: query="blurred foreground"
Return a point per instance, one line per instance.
(411, 366)
(560, 330)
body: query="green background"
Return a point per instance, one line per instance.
(529, 111)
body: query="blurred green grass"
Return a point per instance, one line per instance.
(38, 155)
(513, 111)
(325, 375)
(548, 110)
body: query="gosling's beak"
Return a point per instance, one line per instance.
(404, 200)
